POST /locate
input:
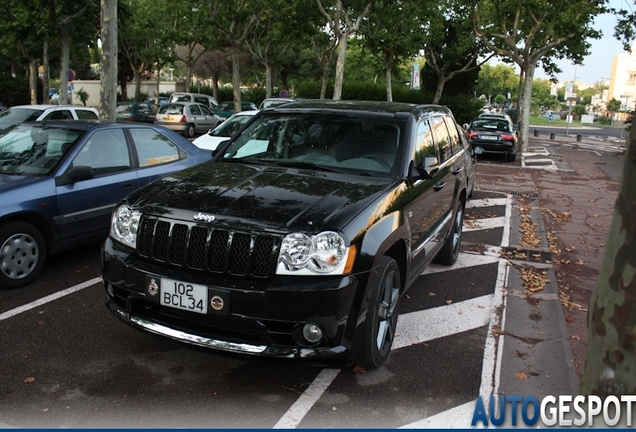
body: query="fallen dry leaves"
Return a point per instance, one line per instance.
(521, 375)
(533, 280)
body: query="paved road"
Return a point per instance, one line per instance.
(66, 362)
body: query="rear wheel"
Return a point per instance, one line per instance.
(22, 254)
(189, 133)
(511, 157)
(381, 320)
(450, 251)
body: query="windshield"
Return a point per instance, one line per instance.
(325, 140)
(13, 116)
(230, 126)
(123, 108)
(34, 150)
(491, 124)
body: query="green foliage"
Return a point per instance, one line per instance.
(15, 91)
(497, 79)
(604, 120)
(82, 95)
(614, 105)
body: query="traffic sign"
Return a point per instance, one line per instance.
(550, 117)
(283, 94)
(71, 75)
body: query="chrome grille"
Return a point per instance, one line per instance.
(207, 248)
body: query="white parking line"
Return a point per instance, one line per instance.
(49, 298)
(463, 260)
(306, 401)
(487, 202)
(483, 224)
(458, 417)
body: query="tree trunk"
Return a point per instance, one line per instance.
(215, 85)
(326, 68)
(340, 64)
(45, 73)
(441, 82)
(158, 85)
(389, 89)
(65, 40)
(108, 75)
(137, 85)
(610, 361)
(268, 80)
(33, 80)
(525, 103)
(236, 76)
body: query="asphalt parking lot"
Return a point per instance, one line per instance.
(69, 363)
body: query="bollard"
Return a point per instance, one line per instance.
(536, 132)
(551, 135)
(579, 137)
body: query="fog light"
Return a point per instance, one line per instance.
(312, 333)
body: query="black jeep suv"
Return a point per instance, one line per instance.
(300, 237)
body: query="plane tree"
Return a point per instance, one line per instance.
(343, 22)
(532, 32)
(391, 33)
(450, 46)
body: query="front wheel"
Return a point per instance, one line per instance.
(22, 254)
(450, 251)
(382, 315)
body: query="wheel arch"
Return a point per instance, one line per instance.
(38, 221)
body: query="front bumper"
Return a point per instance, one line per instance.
(263, 317)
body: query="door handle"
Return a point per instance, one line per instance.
(439, 186)
(127, 186)
(456, 171)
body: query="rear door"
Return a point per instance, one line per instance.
(85, 206)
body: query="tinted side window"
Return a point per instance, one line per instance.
(442, 140)
(205, 111)
(86, 115)
(153, 148)
(453, 136)
(424, 145)
(201, 100)
(59, 114)
(106, 152)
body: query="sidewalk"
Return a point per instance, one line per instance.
(557, 238)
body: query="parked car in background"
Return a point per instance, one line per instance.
(500, 116)
(226, 109)
(2, 106)
(59, 182)
(272, 102)
(21, 113)
(224, 131)
(187, 118)
(300, 238)
(143, 112)
(494, 136)
(203, 99)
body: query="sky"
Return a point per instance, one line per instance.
(598, 65)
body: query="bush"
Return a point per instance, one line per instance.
(604, 120)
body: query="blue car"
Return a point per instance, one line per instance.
(59, 182)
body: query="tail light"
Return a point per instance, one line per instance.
(155, 117)
(507, 137)
(471, 135)
(183, 119)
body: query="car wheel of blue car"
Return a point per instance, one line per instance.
(382, 316)
(22, 254)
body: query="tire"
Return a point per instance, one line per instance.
(22, 254)
(379, 327)
(189, 132)
(511, 157)
(450, 251)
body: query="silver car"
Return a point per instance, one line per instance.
(188, 118)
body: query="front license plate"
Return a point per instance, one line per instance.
(488, 137)
(185, 296)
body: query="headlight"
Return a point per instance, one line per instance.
(303, 255)
(124, 225)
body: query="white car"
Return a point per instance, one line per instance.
(21, 113)
(224, 131)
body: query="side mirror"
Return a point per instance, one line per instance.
(428, 167)
(465, 125)
(80, 173)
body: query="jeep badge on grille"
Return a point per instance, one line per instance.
(204, 217)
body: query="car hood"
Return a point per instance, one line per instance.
(258, 197)
(12, 182)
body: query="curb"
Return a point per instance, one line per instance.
(536, 358)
